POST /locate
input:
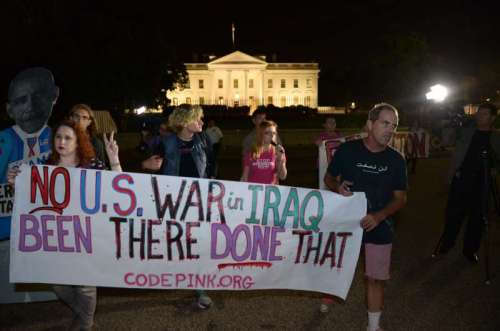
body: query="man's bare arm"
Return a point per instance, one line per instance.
(334, 184)
(370, 221)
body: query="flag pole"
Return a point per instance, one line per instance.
(233, 29)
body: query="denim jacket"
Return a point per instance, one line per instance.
(202, 155)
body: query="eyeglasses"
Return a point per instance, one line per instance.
(77, 117)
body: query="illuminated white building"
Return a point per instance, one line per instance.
(239, 79)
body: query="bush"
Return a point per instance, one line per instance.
(238, 118)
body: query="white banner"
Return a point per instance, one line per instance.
(6, 199)
(88, 227)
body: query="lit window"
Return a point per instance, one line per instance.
(200, 84)
(221, 100)
(308, 83)
(250, 83)
(295, 83)
(220, 83)
(283, 83)
(188, 100)
(251, 100)
(269, 83)
(235, 83)
(269, 100)
(202, 101)
(175, 102)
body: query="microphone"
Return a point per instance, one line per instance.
(278, 147)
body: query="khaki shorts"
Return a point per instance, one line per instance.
(378, 261)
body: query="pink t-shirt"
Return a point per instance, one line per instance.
(263, 169)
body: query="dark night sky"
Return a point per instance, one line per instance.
(84, 43)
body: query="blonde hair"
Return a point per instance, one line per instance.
(257, 147)
(183, 116)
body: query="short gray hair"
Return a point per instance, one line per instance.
(374, 113)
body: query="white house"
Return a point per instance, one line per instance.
(239, 79)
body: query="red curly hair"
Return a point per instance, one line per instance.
(84, 148)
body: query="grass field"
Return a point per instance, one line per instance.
(423, 293)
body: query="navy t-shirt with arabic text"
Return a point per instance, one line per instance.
(377, 174)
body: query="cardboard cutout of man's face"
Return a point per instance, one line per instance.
(31, 98)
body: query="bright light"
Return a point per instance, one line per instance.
(140, 110)
(353, 105)
(438, 93)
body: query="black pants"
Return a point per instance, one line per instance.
(464, 201)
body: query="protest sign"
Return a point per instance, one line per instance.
(102, 228)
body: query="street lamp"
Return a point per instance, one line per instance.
(437, 93)
(439, 123)
(140, 110)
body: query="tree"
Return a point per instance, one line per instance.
(398, 67)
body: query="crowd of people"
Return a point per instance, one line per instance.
(182, 148)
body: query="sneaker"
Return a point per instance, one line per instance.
(204, 302)
(472, 257)
(326, 302)
(324, 308)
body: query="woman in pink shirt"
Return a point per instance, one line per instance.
(265, 163)
(330, 132)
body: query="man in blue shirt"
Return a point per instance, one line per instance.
(32, 94)
(371, 166)
(31, 97)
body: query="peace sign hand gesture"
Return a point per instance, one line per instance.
(112, 151)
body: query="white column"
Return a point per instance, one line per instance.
(261, 96)
(245, 89)
(213, 86)
(228, 88)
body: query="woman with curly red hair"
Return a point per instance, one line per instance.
(70, 139)
(71, 147)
